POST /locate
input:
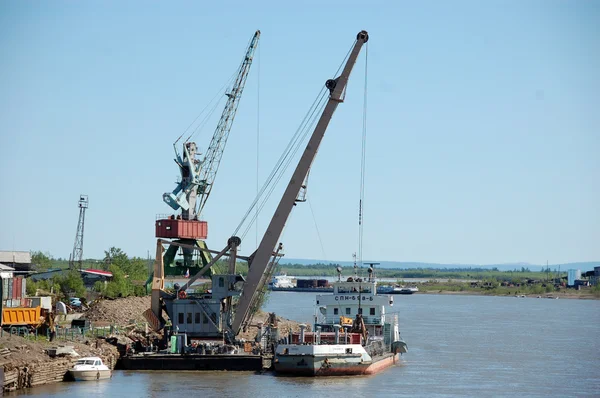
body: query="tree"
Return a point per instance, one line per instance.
(42, 261)
(114, 256)
(119, 286)
(70, 284)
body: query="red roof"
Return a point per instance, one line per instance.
(98, 272)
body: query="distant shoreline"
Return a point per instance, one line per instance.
(560, 295)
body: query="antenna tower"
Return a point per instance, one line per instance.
(77, 255)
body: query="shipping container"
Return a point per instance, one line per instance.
(5, 288)
(10, 288)
(186, 229)
(23, 288)
(17, 287)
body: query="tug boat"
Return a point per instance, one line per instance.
(90, 368)
(352, 334)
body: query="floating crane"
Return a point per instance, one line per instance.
(198, 176)
(211, 314)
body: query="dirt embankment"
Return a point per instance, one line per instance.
(26, 362)
(126, 311)
(120, 312)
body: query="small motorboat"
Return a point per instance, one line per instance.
(90, 368)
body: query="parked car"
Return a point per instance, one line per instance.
(75, 302)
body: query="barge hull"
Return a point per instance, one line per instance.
(193, 362)
(307, 365)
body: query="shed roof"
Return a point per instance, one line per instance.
(15, 257)
(4, 267)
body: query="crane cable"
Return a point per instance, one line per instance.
(257, 139)
(283, 163)
(361, 202)
(229, 83)
(286, 157)
(202, 123)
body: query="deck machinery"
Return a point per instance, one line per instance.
(212, 315)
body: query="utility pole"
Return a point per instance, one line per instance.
(77, 255)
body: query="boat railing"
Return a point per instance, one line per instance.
(369, 320)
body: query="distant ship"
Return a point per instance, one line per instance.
(282, 282)
(352, 334)
(397, 290)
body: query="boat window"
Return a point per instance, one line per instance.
(360, 311)
(365, 289)
(348, 311)
(372, 311)
(348, 350)
(180, 318)
(84, 362)
(189, 317)
(197, 319)
(335, 311)
(97, 363)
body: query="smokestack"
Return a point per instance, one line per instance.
(337, 333)
(302, 327)
(318, 336)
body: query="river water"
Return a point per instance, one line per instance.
(458, 346)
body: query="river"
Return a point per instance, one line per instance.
(458, 346)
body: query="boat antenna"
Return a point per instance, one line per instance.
(355, 266)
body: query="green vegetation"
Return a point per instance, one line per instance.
(321, 269)
(129, 275)
(67, 285)
(489, 287)
(42, 261)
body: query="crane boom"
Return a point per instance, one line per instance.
(198, 176)
(260, 259)
(214, 153)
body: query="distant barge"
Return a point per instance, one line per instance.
(285, 283)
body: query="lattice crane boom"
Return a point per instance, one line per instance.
(198, 176)
(214, 153)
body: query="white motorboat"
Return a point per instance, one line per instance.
(90, 368)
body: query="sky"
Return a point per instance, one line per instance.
(483, 129)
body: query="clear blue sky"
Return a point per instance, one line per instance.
(483, 133)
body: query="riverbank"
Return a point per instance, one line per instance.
(26, 363)
(554, 295)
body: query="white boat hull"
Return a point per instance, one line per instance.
(88, 375)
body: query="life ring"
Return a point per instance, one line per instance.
(182, 294)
